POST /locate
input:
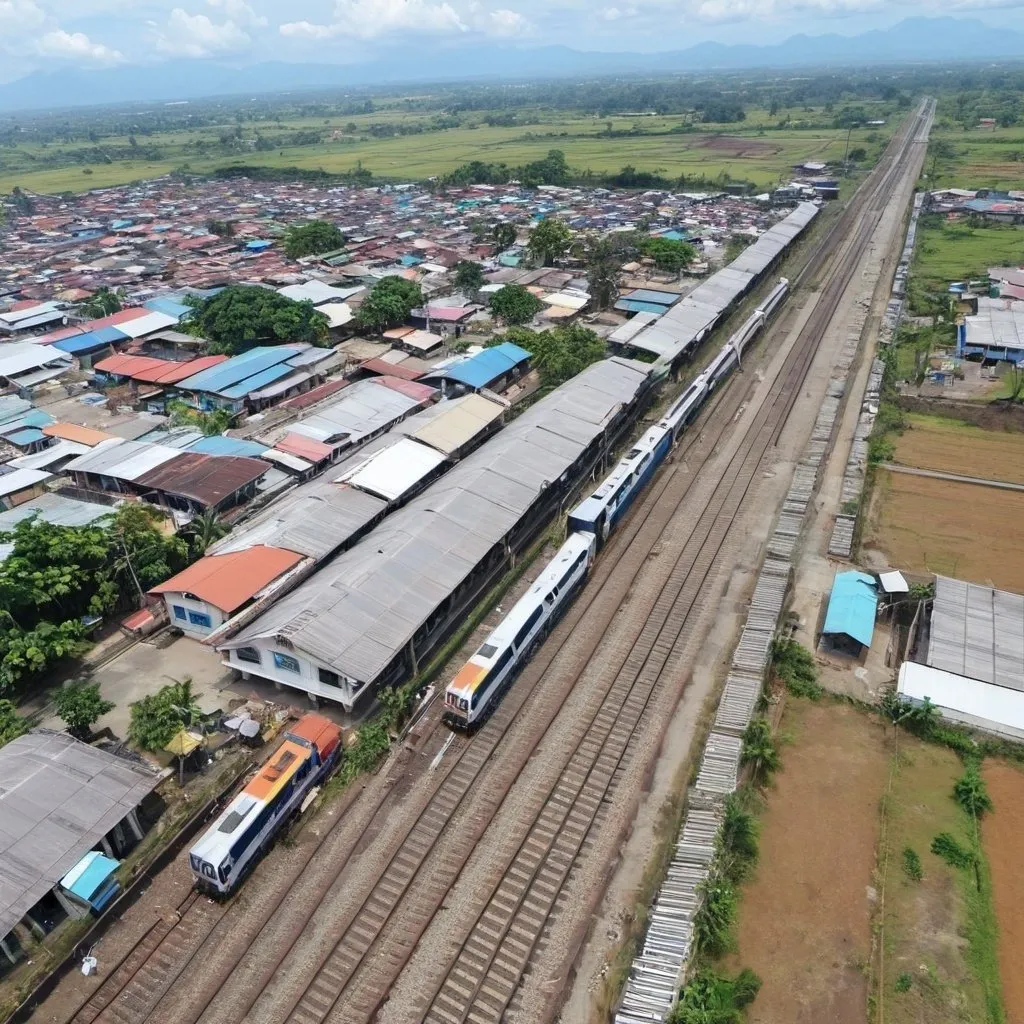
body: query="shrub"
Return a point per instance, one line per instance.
(971, 793)
(759, 750)
(794, 665)
(712, 924)
(903, 982)
(946, 847)
(737, 840)
(912, 864)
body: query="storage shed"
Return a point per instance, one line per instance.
(850, 619)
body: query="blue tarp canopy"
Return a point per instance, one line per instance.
(852, 607)
(90, 880)
(486, 366)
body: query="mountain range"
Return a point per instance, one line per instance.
(912, 40)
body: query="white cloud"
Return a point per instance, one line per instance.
(76, 46)
(368, 19)
(195, 35)
(506, 23)
(239, 12)
(20, 17)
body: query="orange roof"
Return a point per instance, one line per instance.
(274, 775)
(73, 432)
(228, 581)
(324, 734)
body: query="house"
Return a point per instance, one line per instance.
(206, 594)
(492, 368)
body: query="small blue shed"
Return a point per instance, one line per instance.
(850, 619)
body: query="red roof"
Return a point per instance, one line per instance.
(64, 332)
(304, 447)
(315, 395)
(229, 581)
(450, 314)
(155, 371)
(379, 366)
(133, 313)
(206, 479)
(409, 388)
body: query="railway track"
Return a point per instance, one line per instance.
(355, 977)
(486, 971)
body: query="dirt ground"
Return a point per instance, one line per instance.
(805, 918)
(968, 531)
(950, 446)
(1003, 839)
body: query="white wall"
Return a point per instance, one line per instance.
(307, 679)
(174, 599)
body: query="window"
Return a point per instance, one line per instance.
(200, 619)
(249, 654)
(329, 678)
(286, 662)
(179, 612)
(487, 651)
(524, 630)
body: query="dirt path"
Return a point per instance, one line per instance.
(804, 921)
(1003, 837)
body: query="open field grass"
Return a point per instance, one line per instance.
(934, 526)
(748, 150)
(956, 251)
(805, 917)
(976, 158)
(952, 446)
(930, 929)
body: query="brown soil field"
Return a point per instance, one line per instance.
(805, 917)
(951, 446)
(968, 531)
(1003, 838)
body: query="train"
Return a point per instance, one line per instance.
(479, 685)
(248, 825)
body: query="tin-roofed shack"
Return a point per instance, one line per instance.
(369, 617)
(59, 799)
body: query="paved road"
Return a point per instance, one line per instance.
(1003, 485)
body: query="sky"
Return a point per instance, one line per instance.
(43, 34)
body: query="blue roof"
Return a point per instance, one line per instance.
(258, 245)
(221, 445)
(633, 306)
(852, 607)
(492, 363)
(168, 306)
(674, 236)
(411, 261)
(257, 381)
(90, 341)
(507, 260)
(653, 295)
(27, 435)
(89, 875)
(224, 375)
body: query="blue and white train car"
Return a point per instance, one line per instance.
(774, 298)
(479, 684)
(601, 511)
(682, 411)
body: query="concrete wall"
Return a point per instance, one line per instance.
(307, 679)
(192, 607)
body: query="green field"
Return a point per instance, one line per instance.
(976, 158)
(752, 150)
(957, 251)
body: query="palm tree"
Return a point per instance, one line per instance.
(205, 530)
(759, 751)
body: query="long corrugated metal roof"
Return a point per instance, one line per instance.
(977, 632)
(207, 479)
(58, 798)
(56, 509)
(123, 460)
(362, 408)
(360, 611)
(394, 471)
(450, 426)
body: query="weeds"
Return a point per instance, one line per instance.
(759, 751)
(712, 924)
(955, 855)
(903, 982)
(795, 666)
(971, 793)
(912, 864)
(712, 998)
(737, 840)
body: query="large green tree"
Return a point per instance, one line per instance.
(468, 276)
(515, 304)
(504, 236)
(12, 725)
(311, 238)
(103, 303)
(389, 304)
(559, 353)
(80, 706)
(242, 316)
(668, 254)
(549, 241)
